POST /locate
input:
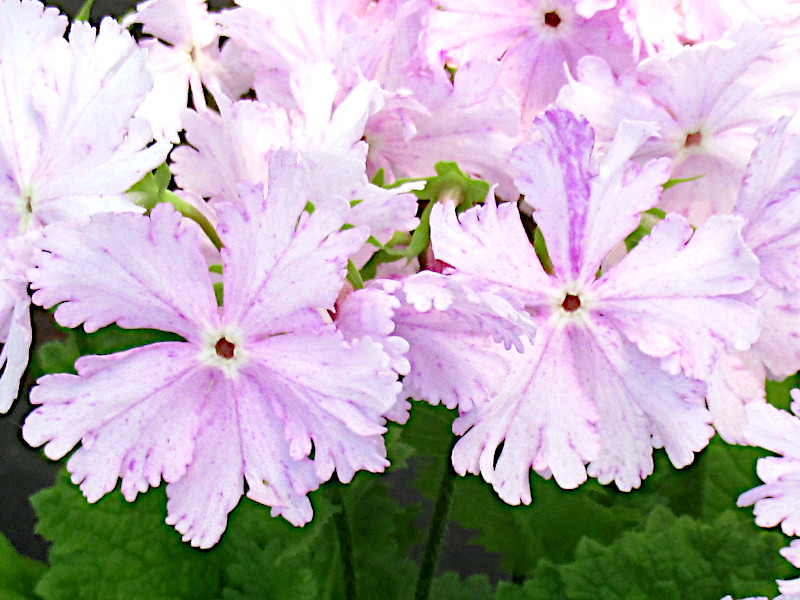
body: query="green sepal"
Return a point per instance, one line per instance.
(354, 276)
(540, 248)
(672, 182)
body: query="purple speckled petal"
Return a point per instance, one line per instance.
(542, 418)
(370, 312)
(199, 502)
(228, 148)
(472, 121)
(640, 406)
(736, 380)
(451, 362)
(27, 33)
(273, 477)
(770, 202)
(584, 208)
(281, 264)
(300, 375)
(778, 346)
(135, 427)
(674, 295)
(489, 241)
(85, 95)
(136, 271)
(17, 336)
(778, 500)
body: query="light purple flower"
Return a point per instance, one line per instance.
(532, 40)
(473, 121)
(69, 146)
(614, 368)
(777, 501)
(707, 101)
(264, 391)
(236, 146)
(183, 54)
(455, 334)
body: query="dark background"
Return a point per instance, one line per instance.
(24, 471)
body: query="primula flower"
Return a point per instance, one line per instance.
(472, 120)
(237, 144)
(183, 53)
(613, 370)
(450, 337)
(264, 390)
(69, 146)
(531, 39)
(707, 101)
(777, 501)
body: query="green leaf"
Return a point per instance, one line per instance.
(379, 179)
(450, 586)
(450, 183)
(85, 11)
(675, 558)
(778, 391)
(57, 356)
(18, 574)
(267, 558)
(550, 528)
(118, 550)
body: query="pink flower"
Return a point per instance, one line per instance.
(613, 370)
(183, 54)
(707, 101)
(237, 144)
(472, 121)
(255, 394)
(69, 146)
(532, 40)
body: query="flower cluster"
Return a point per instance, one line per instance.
(628, 282)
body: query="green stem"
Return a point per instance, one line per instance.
(345, 542)
(435, 533)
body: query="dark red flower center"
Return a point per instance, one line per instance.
(552, 19)
(571, 303)
(693, 139)
(224, 348)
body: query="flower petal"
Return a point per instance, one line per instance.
(136, 271)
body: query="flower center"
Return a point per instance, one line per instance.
(552, 19)
(224, 348)
(571, 303)
(693, 139)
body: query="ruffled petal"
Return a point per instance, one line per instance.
(282, 264)
(674, 294)
(134, 412)
(339, 419)
(540, 419)
(582, 207)
(136, 271)
(199, 502)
